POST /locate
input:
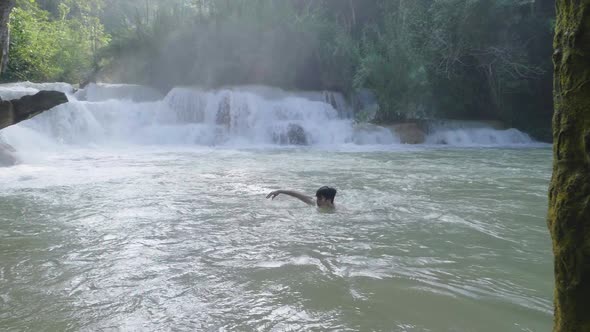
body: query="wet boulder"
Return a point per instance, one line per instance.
(15, 111)
(409, 133)
(294, 135)
(6, 114)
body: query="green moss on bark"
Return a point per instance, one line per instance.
(569, 192)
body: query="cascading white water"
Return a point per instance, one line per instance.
(479, 136)
(102, 92)
(470, 133)
(236, 116)
(10, 91)
(103, 114)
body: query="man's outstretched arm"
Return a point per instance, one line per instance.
(304, 198)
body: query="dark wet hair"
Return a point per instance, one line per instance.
(327, 192)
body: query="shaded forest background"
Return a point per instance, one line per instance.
(452, 59)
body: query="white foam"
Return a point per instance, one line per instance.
(250, 116)
(103, 92)
(478, 137)
(197, 117)
(11, 91)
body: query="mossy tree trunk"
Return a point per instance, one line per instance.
(5, 9)
(569, 192)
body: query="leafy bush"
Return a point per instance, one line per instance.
(46, 49)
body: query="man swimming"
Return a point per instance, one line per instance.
(324, 197)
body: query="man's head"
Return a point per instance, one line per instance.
(325, 196)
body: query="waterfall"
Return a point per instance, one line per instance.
(253, 116)
(105, 114)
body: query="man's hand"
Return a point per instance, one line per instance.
(273, 194)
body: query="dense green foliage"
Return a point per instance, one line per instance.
(468, 59)
(59, 46)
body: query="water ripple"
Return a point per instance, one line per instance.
(423, 240)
